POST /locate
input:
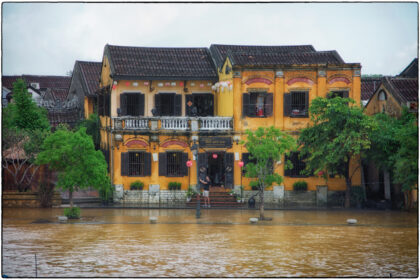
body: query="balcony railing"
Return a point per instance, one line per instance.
(173, 123)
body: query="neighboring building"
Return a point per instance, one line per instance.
(368, 87)
(390, 97)
(84, 84)
(157, 104)
(49, 92)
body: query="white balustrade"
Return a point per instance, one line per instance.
(216, 123)
(175, 123)
(137, 123)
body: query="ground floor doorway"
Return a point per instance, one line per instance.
(219, 165)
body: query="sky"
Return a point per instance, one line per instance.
(47, 38)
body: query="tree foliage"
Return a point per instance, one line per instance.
(266, 147)
(339, 133)
(73, 155)
(92, 126)
(23, 113)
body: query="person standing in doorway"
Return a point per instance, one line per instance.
(205, 184)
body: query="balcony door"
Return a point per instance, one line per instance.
(168, 104)
(199, 105)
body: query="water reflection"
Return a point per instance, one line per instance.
(222, 243)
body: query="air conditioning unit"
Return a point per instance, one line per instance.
(35, 85)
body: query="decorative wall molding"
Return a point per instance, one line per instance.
(253, 80)
(174, 142)
(339, 79)
(300, 80)
(136, 142)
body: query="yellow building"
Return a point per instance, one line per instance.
(156, 105)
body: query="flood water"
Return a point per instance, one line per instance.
(222, 243)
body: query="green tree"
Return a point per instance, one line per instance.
(23, 113)
(339, 133)
(73, 155)
(92, 128)
(266, 147)
(406, 158)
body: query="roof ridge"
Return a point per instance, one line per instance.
(143, 47)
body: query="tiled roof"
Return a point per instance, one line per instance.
(44, 81)
(290, 58)
(412, 70)
(70, 117)
(369, 86)
(219, 52)
(7, 81)
(91, 72)
(160, 63)
(48, 81)
(404, 89)
(59, 94)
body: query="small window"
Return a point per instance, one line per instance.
(382, 95)
(132, 104)
(298, 166)
(338, 93)
(299, 104)
(136, 164)
(174, 164)
(258, 104)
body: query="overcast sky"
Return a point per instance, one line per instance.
(47, 38)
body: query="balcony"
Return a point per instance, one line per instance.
(172, 123)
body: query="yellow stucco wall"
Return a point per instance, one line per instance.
(390, 106)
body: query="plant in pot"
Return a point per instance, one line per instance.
(190, 193)
(136, 186)
(172, 186)
(300, 186)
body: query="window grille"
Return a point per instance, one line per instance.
(136, 164)
(174, 164)
(299, 106)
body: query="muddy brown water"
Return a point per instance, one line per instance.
(222, 243)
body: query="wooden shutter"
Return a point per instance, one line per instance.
(184, 168)
(141, 104)
(178, 105)
(306, 103)
(287, 104)
(124, 164)
(157, 104)
(123, 104)
(188, 98)
(163, 167)
(245, 159)
(147, 164)
(202, 160)
(268, 104)
(229, 161)
(245, 104)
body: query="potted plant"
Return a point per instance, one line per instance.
(136, 185)
(190, 193)
(172, 186)
(300, 186)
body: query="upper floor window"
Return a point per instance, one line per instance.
(257, 104)
(338, 93)
(135, 164)
(199, 104)
(168, 104)
(132, 104)
(104, 104)
(298, 165)
(296, 104)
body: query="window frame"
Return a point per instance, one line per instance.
(267, 108)
(143, 163)
(302, 113)
(297, 167)
(171, 166)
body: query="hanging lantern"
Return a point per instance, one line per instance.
(181, 84)
(189, 163)
(214, 156)
(127, 83)
(241, 163)
(114, 87)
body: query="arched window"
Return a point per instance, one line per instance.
(382, 95)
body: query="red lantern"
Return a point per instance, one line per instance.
(127, 83)
(189, 163)
(241, 164)
(214, 156)
(114, 87)
(181, 84)
(320, 173)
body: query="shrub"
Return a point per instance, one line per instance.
(105, 193)
(72, 213)
(300, 186)
(136, 185)
(191, 191)
(254, 188)
(174, 186)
